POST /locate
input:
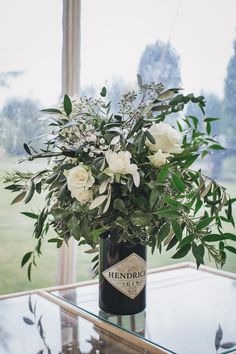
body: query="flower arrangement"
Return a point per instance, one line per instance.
(129, 174)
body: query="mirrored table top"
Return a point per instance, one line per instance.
(188, 311)
(33, 325)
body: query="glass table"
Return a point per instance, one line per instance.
(188, 311)
(31, 324)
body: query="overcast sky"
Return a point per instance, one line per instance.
(114, 35)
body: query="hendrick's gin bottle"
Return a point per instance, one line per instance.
(122, 278)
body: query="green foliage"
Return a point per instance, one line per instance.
(134, 183)
(67, 105)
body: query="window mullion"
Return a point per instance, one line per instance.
(70, 85)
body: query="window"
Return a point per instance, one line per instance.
(185, 43)
(30, 78)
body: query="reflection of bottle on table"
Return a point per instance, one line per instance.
(69, 327)
(132, 323)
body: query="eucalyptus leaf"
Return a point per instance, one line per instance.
(163, 233)
(51, 110)
(155, 193)
(187, 240)
(217, 237)
(115, 140)
(53, 240)
(97, 201)
(216, 147)
(27, 149)
(67, 105)
(161, 107)
(19, 197)
(30, 215)
(206, 190)
(141, 143)
(168, 213)
(26, 258)
(29, 271)
(103, 186)
(204, 223)
(197, 254)
(182, 252)
(231, 249)
(190, 160)
(161, 176)
(177, 229)
(198, 205)
(178, 183)
(108, 202)
(150, 137)
(30, 192)
(208, 119)
(208, 128)
(172, 243)
(195, 121)
(171, 201)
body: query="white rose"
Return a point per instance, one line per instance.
(83, 195)
(159, 158)
(79, 177)
(167, 138)
(119, 163)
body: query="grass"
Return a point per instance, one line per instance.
(16, 239)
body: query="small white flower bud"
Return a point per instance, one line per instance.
(93, 138)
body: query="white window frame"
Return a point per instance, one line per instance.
(71, 21)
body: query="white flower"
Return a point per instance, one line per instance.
(93, 138)
(167, 138)
(79, 177)
(159, 158)
(83, 195)
(119, 163)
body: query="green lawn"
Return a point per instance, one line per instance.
(16, 239)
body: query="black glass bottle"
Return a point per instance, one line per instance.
(122, 277)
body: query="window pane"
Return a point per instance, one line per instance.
(184, 43)
(30, 78)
